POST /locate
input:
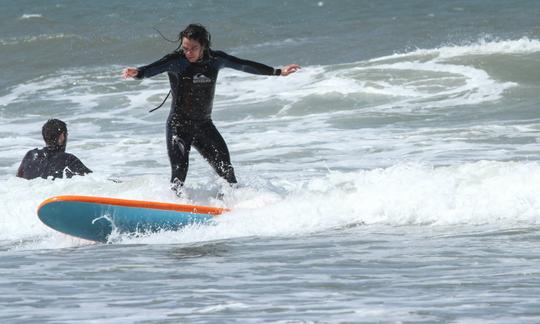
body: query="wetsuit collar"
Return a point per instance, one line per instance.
(55, 148)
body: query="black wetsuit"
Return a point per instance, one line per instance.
(189, 123)
(50, 162)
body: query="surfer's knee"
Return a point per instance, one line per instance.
(178, 144)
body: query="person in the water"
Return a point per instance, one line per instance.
(193, 70)
(52, 160)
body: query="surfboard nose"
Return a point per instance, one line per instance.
(77, 219)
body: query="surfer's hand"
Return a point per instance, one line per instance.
(288, 69)
(130, 72)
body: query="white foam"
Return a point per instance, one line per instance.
(34, 38)
(502, 194)
(288, 149)
(423, 79)
(30, 16)
(229, 306)
(467, 86)
(523, 45)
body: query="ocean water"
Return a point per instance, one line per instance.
(394, 178)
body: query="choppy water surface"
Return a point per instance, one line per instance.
(395, 178)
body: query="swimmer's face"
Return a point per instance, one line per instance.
(62, 139)
(192, 49)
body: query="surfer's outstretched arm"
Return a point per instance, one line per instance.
(169, 63)
(252, 67)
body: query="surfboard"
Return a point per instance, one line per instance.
(96, 218)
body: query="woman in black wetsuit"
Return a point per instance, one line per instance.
(193, 71)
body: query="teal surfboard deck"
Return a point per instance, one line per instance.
(95, 218)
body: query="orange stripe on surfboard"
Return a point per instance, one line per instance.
(138, 204)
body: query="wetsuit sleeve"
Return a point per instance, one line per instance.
(75, 167)
(20, 171)
(236, 63)
(169, 63)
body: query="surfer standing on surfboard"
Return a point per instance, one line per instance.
(193, 69)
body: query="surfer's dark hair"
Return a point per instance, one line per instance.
(196, 32)
(51, 130)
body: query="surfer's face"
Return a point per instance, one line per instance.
(192, 49)
(62, 141)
